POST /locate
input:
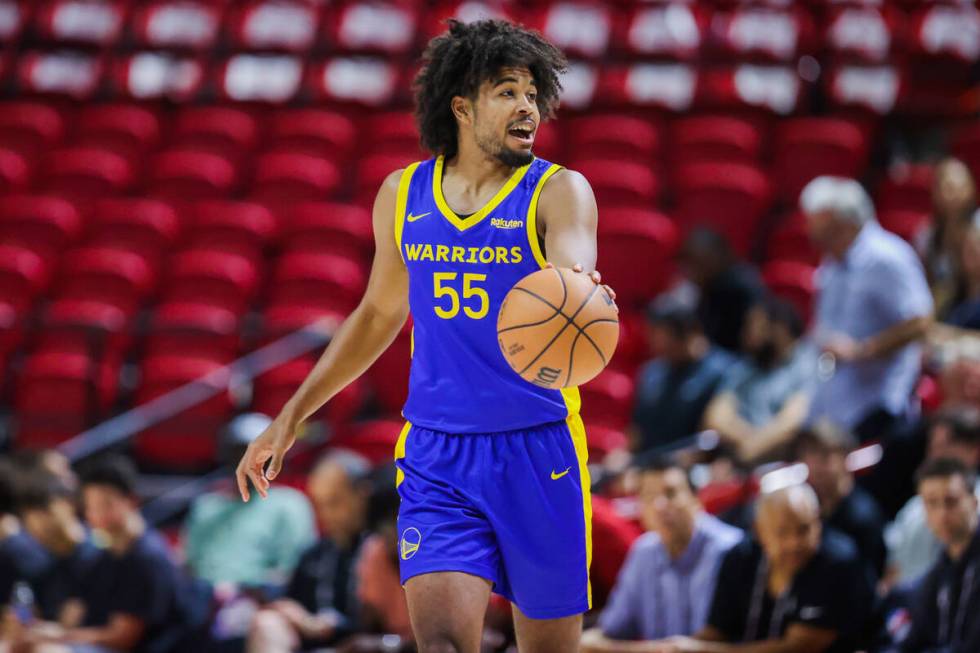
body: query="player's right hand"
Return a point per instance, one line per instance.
(273, 444)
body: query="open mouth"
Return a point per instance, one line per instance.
(523, 132)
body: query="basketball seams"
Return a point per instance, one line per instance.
(531, 324)
(571, 320)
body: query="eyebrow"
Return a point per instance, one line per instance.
(511, 80)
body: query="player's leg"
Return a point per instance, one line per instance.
(447, 610)
(547, 635)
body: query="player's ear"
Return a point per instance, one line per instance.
(463, 109)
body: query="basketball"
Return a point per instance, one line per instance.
(557, 328)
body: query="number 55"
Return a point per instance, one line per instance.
(469, 290)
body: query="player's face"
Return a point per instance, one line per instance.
(506, 117)
(951, 508)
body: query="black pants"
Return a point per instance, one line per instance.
(892, 481)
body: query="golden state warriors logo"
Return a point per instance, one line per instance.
(411, 539)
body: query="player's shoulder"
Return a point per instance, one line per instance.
(566, 185)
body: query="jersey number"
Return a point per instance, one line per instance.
(441, 289)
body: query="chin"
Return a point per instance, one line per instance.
(515, 158)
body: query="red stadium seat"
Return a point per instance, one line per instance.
(183, 24)
(382, 27)
(91, 22)
(906, 188)
(273, 78)
(773, 89)
(30, 127)
(13, 18)
(393, 131)
(464, 10)
(241, 228)
(224, 130)
(727, 197)
(870, 88)
(289, 25)
(193, 329)
(758, 31)
(72, 74)
(389, 374)
(793, 281)
(23, 275)
(341, 229)
(863, 32)
(580, 28)
(59, 394)
(213, 277)
(636, 252)
(112, 276)
(183, 175)
(806, 148)
(604, 440)
(44, 224)
(186, 441)
(613, 136)
(633, 348)
(607, 399)
(906, 223)
(669, 86)
(620, 183)
(273, 389)
(127, 129)
(674, 30)
(372, 171)
(580, 86)
(374, 439)
(87, 326)
(367, 81)
(305, 278)
(87, 172)
(282, 319)
(147, 227)
(950, 31)
(789, 241)
(294, 177)
(16, 170)
(715, 139)
(613, 536)
(314, 131)
(158, 76)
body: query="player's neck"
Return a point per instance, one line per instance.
(475, 169)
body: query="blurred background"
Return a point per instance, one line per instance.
(185, 187)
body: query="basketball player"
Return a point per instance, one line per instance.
(491, 469)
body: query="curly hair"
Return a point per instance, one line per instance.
(468, 54)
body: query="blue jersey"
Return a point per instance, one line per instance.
(460, 270)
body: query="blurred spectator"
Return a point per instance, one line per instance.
(964, 310)
(47, 461)
(379, 589)
(912, 548)
(765, 398)
(320, 605)
(728, 288)
(665, 586)
(21, 556)
(873, 306)
(673, 389)
(70, 584)
(143, 603)
(939, 244)
(945, 609)
(277, 529)
(796, 589)
(844, 506)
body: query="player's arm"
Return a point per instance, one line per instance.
(358, 342)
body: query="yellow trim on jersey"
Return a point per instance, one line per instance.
(531, 222)
(464, 224)
(577, 430)
(400, 452)
(401, 202)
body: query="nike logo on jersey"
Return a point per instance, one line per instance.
(555, 475)
(413, 218)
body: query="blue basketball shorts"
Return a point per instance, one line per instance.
(512, 507)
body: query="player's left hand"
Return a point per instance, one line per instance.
(596, 279)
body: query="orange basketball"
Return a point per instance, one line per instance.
(557, 328)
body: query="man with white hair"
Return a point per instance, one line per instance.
(872, 308)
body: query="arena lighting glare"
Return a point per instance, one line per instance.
(783, 477)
